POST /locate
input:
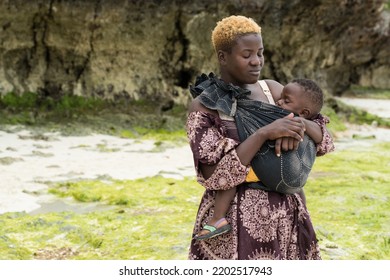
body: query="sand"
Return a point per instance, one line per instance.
(29, 160)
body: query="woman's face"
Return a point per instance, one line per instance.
(243, 64)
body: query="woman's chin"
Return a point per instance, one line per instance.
(253, 80)
(253, 77)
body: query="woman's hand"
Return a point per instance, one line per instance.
(289, 143)
(285, 127)
(289, 127)
(285, 144)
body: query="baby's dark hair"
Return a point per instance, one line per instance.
(313, 92)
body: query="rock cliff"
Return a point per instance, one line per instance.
(154, 49)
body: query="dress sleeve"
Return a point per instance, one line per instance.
(327, 145)
(210, 146)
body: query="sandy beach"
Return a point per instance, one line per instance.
(30, 160)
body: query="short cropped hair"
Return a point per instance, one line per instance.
(230, 28)
(313, 93)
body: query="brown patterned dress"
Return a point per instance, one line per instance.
(265, 225)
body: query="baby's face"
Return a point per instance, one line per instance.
(292, 98)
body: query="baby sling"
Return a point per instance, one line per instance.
(285, 174)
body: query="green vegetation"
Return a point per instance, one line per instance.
(152, 218)
(348, 197)
(75, 115)
(367, 92)
(341, 113)
(337, 123)
(387, 5)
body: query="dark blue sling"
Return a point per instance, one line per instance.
(285, 174)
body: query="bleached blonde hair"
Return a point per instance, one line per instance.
(230, 28)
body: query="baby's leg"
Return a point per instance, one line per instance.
(221, 206)
(222, 203)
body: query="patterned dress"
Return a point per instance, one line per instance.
(265, 225)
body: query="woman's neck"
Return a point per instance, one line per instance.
(228, 80)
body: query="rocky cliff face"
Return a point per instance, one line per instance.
(154, 49)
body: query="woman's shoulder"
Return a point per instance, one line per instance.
(275, 88)
(197, 106)
(274, 85)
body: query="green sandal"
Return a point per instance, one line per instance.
(214, 231)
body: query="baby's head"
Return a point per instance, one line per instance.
(302, 97)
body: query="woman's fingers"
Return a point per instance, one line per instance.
(292, 129)
(289, 116)
(299, 127)
(289, 128)
(278, 146)
(289, 143)
(296, 144)
(285, 144)
(288, 132)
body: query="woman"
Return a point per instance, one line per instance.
(264, 225)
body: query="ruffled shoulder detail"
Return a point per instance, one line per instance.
(327, 144)
(215, 94)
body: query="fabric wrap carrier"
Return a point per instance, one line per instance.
(285, 174)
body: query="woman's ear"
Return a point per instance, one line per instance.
(221, 55)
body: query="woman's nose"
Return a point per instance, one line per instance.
(256, 61)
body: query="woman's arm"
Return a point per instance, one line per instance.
(275, 88)
(216, 162)
(222, 157)
(247, 149)
(285, 127)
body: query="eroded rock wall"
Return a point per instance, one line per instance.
(154, 49)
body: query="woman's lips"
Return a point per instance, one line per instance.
(254, 72)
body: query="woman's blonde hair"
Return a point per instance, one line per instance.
(229, 28)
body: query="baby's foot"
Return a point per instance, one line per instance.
(209, 231)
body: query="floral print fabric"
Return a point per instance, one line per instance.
(265, 225)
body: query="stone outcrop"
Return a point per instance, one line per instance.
(154, 49)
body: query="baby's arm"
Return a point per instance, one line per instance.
(313, 130)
